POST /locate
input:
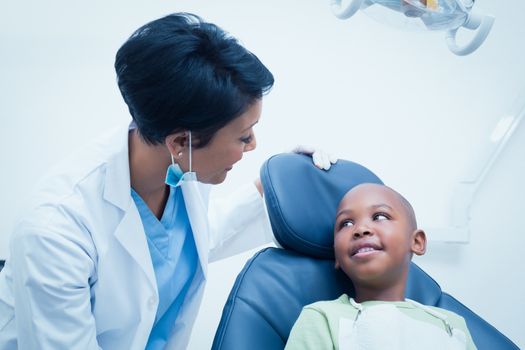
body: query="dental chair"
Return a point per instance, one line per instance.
(276, 283)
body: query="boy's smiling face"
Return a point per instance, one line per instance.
(375, 235)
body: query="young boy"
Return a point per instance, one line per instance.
(375, 235)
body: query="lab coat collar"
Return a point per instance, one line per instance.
(117, 191)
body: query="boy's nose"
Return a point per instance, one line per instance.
(362, 231)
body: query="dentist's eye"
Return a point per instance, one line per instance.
(380, 217)
(247, 139)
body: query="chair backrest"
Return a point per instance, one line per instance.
(276, 283)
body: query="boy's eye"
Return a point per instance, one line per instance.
(381, 216)
(346, 223)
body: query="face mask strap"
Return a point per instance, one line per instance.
(190, 149)
(173, 159)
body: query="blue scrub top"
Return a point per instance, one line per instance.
(174, 257)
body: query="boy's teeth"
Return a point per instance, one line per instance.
(365, 249)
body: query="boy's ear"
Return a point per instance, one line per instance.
(419, 242)
(336, 264)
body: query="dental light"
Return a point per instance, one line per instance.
(444, 15)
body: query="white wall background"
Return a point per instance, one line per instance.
(397, 102)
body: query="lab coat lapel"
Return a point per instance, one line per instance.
(196, 201)
(117, 191)
(130, 233)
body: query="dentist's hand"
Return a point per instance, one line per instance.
(320, 158)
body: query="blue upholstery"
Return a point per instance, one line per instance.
(302, 200)
(276, 283)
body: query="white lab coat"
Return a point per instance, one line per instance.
(80, 274)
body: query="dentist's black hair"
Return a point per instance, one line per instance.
(180, 73)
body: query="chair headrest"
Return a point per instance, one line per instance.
(302, 200)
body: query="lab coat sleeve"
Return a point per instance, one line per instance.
(310, 332)
(238, 222)
(51, 282)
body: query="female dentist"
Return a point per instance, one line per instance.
(113, 252)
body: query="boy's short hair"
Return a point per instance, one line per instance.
(409, 210)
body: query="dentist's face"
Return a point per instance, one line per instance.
(227, 146)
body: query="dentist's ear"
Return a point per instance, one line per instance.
(419, 242)
(177, 143)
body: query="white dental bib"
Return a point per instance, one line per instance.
(384, 326)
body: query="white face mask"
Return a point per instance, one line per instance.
(445, 15)
(384, 326)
